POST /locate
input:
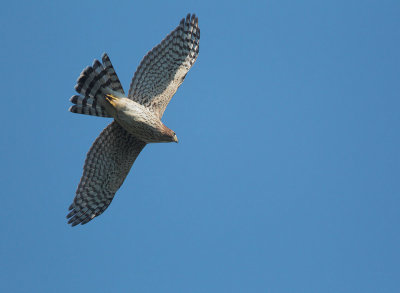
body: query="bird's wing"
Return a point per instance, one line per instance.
(164, 68)
(107, 164)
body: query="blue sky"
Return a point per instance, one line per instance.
(286, 175)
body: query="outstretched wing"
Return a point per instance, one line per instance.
(164, 68)
(107, 164)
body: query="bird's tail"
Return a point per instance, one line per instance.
(94, 83)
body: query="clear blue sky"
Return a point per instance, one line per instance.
(286, 177)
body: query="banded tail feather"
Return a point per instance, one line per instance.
(93, 84)
(115, 83)
(87, 106)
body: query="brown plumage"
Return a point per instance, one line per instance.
(136, 117)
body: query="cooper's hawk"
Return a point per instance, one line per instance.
(136, 117)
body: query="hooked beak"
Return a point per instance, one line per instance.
(175, 139)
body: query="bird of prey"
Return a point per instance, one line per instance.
(137, 117)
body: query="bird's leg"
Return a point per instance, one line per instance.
(112, 100)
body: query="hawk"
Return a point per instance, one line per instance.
(137, 117)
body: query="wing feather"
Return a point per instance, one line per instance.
(107, 164)
(164, 68)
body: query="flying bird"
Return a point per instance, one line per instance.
(137, 117)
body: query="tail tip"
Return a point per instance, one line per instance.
(72, 109)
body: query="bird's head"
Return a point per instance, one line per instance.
(169, 135)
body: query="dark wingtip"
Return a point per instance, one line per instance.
(96, 63)
(85, 221)
(74, 224)
(105, 58)
(71, 214)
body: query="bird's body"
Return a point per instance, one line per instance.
(139, 121)
(137, 116)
